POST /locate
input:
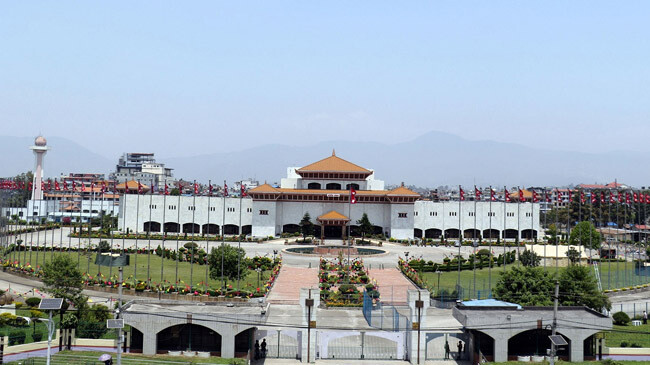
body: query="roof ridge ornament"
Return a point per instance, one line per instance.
(333, 152)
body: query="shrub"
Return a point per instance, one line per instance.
(7, 319)
(348, 289)
(37, 336)
(621, 318)
(17, 337)
(624, 344)
(20, 322)
(70, 321)
(18, 305)
(103, 246)
(32, 302)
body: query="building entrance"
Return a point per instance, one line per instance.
(333, 231)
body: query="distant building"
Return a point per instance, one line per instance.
(142, 167)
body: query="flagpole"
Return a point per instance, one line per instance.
(164, 236)
(239, 243)
(505, 209)
(625, 283)
(460, 239)
(149, 236)
(349, 222)
(223, 233)
(115, 192)
(518, 240)
(137, 229)
(180, 228)
(490, 243)
(60, 229)
(545, 225)
(193, 229)
(568, 218)
(618, 225)
(476, 196)
(207, 241)
(557, 230)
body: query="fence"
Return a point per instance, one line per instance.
(632, 309)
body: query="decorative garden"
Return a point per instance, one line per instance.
(342, 283)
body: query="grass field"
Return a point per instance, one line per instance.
(187, 273)
(630, 334)
(90, 358)
(620, 275)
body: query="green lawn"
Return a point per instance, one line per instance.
(187, 273)
(621, 275)
(90, 358)
(632, 335)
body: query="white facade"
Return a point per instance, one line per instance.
(180, 213)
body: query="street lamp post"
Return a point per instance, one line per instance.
(259, 270)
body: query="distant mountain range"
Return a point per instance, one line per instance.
(432, 160)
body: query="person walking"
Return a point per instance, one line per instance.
(645, 317)
(460, 349)
(446, 350)
(257, 349)
(264, 348)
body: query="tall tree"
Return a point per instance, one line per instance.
(63, 279)
(364, 225)
(578, 287)
(525, 286)
(231, 257)
(306, 226)
(585, 233)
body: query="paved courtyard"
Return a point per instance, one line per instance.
(286, 289)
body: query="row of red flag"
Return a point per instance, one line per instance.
(63, 186)
(621, 197)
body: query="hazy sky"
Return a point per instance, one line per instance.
(179, 79)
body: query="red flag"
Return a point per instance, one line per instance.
(636, 197)
(492, 195)
(103, 187)
(627, 198)
(92, 187)
(647, 198)
(535, 197)
(594, 197)
(210, 189)
(139, 187)
(180, 188)
(548, 198)
(31, 186)
(65, 185)
(74, 186)
(196, 188)
(461, 193)
(570, 196)
(166, 189)
(42, 185)
(582, 197)
(620, 197)
(83, 187)
(506, 195)
(225, 189)
(522, 198)
(114, 187)
(611, 197)
(353, 196)
(477, 193)
(56, 185)
(243, 190)
(602, 197)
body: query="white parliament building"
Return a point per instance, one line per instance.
(322, 190)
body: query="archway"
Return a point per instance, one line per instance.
(230, 229)
(151, 227)
(172, 227)
(452, 233)
(243, 342)
(353, 186)
(290, 228)
(471, 233)
(484, 343)
(247, 229)
(491, 233)
(137, 341)
(333, 186)
(510, 233)
(188, 336)
(313, 186)
(210, 228)
(333, 231)
(435, 345)
(529, 234)
(417, 232)
(534, 342)
(191, 228)
(433, 233)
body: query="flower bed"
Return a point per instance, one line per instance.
(342, 284)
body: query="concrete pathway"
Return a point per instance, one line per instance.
(286, 289)
(392, 285)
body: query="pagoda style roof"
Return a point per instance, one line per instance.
(333, 215)
(264, 188)
(131, 185)
(401, 191)
(333, 163)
